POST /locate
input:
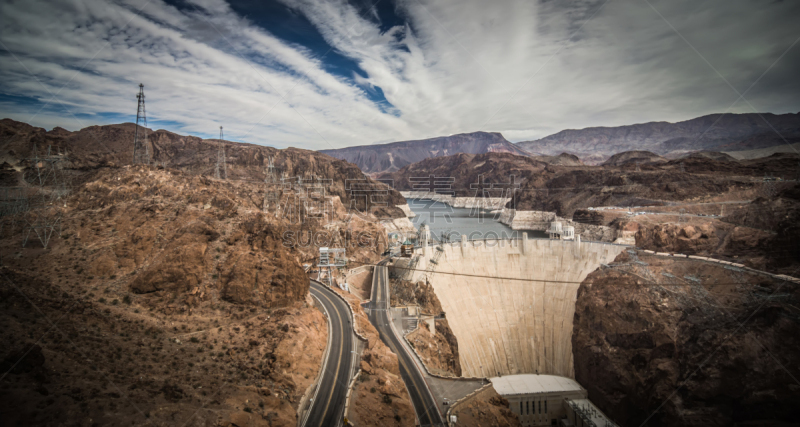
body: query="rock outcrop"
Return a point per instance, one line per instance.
(667, 342)
(112, 146)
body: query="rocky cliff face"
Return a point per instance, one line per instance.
(694, 179)
(439, 352)
(112, 145)
(762, 234)
(171, 296)
(391, 157)
(726, 132)
(466, 171)
(167, 292)
(667, 342)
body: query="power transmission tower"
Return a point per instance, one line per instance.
(141, 151)
(638, 169)
(270, 192)
(683, 169)
(221, 160)
(768, 190)
(42, 212)
(270, 178)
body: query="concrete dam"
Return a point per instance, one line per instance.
(511, 303)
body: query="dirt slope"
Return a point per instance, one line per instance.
(145, 257)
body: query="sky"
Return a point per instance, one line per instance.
(320, 74)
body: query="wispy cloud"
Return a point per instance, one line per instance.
(447, 69)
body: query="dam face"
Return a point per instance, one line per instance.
(506, 326)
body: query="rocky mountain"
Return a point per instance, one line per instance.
(465, 171)
(654, 345)
(112, 146)
(170, 292)
(716, 132)
(564, 189)
(633, 157)
(179, 298)
(393, 156)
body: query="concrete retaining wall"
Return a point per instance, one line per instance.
(459, 202)
(507, 326)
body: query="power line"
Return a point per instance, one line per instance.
(565, 282)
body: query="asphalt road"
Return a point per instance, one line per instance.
(424, 405)
(329, 399)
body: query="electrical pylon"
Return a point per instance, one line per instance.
(141, 151)
(221, 160)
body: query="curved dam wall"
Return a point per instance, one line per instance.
(506, 326)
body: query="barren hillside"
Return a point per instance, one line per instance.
(716, 132)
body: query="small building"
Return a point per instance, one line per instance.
(407, 249)
(559, 232)
(538, 400)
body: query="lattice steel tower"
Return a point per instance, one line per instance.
(141, 152)
(221, 160)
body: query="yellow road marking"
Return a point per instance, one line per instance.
(400, 359)
(339, 361)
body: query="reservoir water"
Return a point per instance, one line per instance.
(448, 223)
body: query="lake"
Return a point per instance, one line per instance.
(446, 221)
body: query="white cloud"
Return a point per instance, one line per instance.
(524, 68)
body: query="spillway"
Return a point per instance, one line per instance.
(505, 325)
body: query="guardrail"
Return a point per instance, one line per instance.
(301, 420)
(723, 262)
(361, 337)
(350, 392)
(352, 313)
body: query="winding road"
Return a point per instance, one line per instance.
(421, 396)
(328, 401)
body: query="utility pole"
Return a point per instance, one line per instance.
(141, 151)
(221, 160)
(270, 193)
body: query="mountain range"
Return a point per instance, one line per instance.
(391, 157)
(714, 132)
(594, 145)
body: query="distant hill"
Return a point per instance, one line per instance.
(466, 170)
(765, 152)
(715, 132)
(713, 155)
(633, 157)
(393, 156)
(563, 159)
